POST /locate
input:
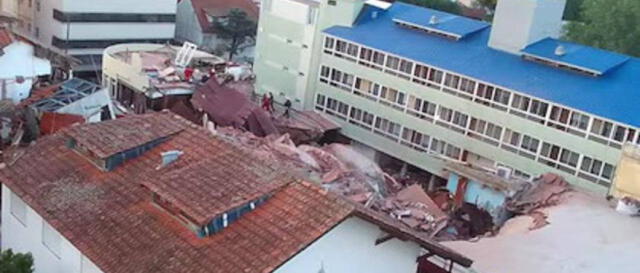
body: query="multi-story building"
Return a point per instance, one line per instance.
(84, 28)
(429, 87)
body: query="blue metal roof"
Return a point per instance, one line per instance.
(455, 25)
(589, 58)
(71, 91)
(614, 95)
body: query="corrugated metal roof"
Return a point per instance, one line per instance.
(613, 95)
(576, 55)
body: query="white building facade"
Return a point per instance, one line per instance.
(84, 28)
(24, 230)
(19, 69)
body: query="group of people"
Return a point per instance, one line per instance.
(267, 105)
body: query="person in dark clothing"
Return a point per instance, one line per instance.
(287, 108)
(271, 101)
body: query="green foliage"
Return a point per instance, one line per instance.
(572, 10)
(489, 4)
(443, 5)
(606, 24)
(15, 262)
(236, 28)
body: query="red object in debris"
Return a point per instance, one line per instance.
(458, 198)
(53, 122)
(188, 73)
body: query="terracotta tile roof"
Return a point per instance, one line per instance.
(109, 217)
(221, 7)
(204, 199)
(110, 137)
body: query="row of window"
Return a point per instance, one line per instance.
(558, 157)
(457, 121)
(387, 128)
(549, 114)
(51, 239)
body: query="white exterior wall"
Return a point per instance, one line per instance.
(27, 237)
(48, 27)
(90, 106)
(19, 60)
(350, 247)
(518, 23)
(187, 24)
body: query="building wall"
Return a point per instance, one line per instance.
(187, 24)
(284, 46)
(27, 236)
(90, 106)
(350, 247)
(484, 197)
(47, 27)
(18, 60)
(627, 181)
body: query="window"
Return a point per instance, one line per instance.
(579, 121)
(421, 108)
(329, 43)
(436, 76)
(596, 168)
(512, 138)
(51, 239)
(445, 114)
(387, 127)
(18, 208)
(452, 81)
(416, 139)
(602, 128)
(361, 117)
(460, 119)
(530, 144)
(393, 63)
(467, 86)
(421, 71)
(406, 66)
(569, 158)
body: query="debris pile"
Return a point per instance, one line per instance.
(548, 190)
(416, 209)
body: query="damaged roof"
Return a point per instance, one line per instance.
(109, 217)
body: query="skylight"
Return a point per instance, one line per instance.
(574, 57)
(439, 23)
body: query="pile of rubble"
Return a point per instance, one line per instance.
(548, 190)
(341, 169)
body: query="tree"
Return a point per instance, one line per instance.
(488, 4)
(15, 262)
(606, 24)
(572, 10)
(442, 5)
(236, 28)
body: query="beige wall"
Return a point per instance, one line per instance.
(627, 179)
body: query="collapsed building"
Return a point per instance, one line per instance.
(156, 193)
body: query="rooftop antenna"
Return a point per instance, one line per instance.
(560, 51)
(433, 20)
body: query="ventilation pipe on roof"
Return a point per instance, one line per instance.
(374, 14)
(169, 157)
(433, 20)
(560, 51)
